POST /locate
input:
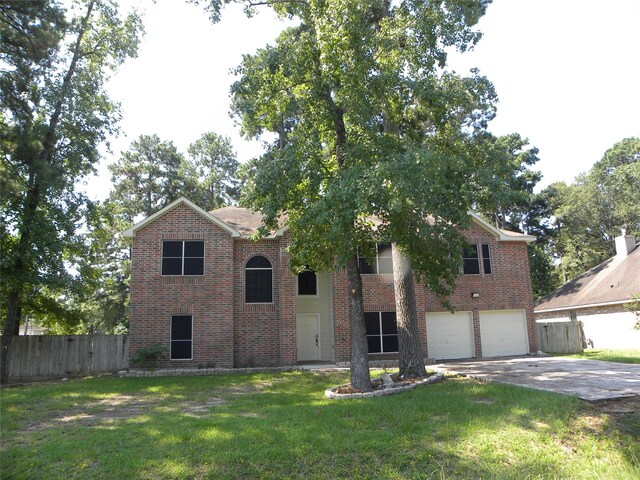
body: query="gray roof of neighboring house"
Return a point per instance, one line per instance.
(613, 281)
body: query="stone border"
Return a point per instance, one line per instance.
(389, 389)
(190, 372)
(388, 363)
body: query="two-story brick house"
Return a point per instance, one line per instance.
(216, 298)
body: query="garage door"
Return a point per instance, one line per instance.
(450, 335)
(503, 333)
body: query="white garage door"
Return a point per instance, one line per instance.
(450, 335)
(503, 332)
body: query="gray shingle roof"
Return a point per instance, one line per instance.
(613, 281)
(241, 219)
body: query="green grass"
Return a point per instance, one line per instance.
(282, 426)
(620, 356)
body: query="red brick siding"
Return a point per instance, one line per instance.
(208, 298)
(507, 287)
(287, 293)
(257, 326)
(228, 332)
(341, 323)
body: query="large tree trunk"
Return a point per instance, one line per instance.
(360, 377)
(10, 324)
(411, 361)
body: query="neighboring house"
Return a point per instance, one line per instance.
(216, 298)
(598, 298)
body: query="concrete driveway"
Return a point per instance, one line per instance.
(589, 380)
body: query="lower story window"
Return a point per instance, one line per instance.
(181, 337)
(382, 332)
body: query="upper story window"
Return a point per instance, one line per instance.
(382, 332)
(471, 260)
(307, 283)
(258, 280)
(383, 261)
(183, 257)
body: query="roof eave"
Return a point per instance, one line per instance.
(498, 233)
(277, 234)
(575, 307)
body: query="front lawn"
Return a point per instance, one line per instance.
(282, 426)
(621, 356)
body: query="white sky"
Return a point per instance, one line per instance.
(567, 73)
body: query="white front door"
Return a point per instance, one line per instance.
(308, 339)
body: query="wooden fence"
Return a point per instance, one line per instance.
(60, 355)
(560, 337)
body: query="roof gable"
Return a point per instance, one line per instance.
(131, 232)
(500, 234)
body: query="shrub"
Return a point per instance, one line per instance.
(148, 356)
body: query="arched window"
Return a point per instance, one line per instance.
(258, 281)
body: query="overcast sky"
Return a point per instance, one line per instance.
(567, 73)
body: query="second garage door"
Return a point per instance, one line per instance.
(503, 332)
(450, 335)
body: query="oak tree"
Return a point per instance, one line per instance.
(326, 90)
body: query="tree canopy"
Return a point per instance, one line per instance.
(367, 124)
(54, 115)
(592, 211)
(216, 166)
(149, 176)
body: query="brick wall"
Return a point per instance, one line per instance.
(208, 298)
(257, 326)
(287, 294)
(227, 332)
(508, 287)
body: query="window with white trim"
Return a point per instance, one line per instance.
(181, 337)
(183, 257)
(258, 280)
(382, 332)
(383, 262)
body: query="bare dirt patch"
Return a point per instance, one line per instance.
(126, 406)
(623, 412)
(619, 406)
(604, 417)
